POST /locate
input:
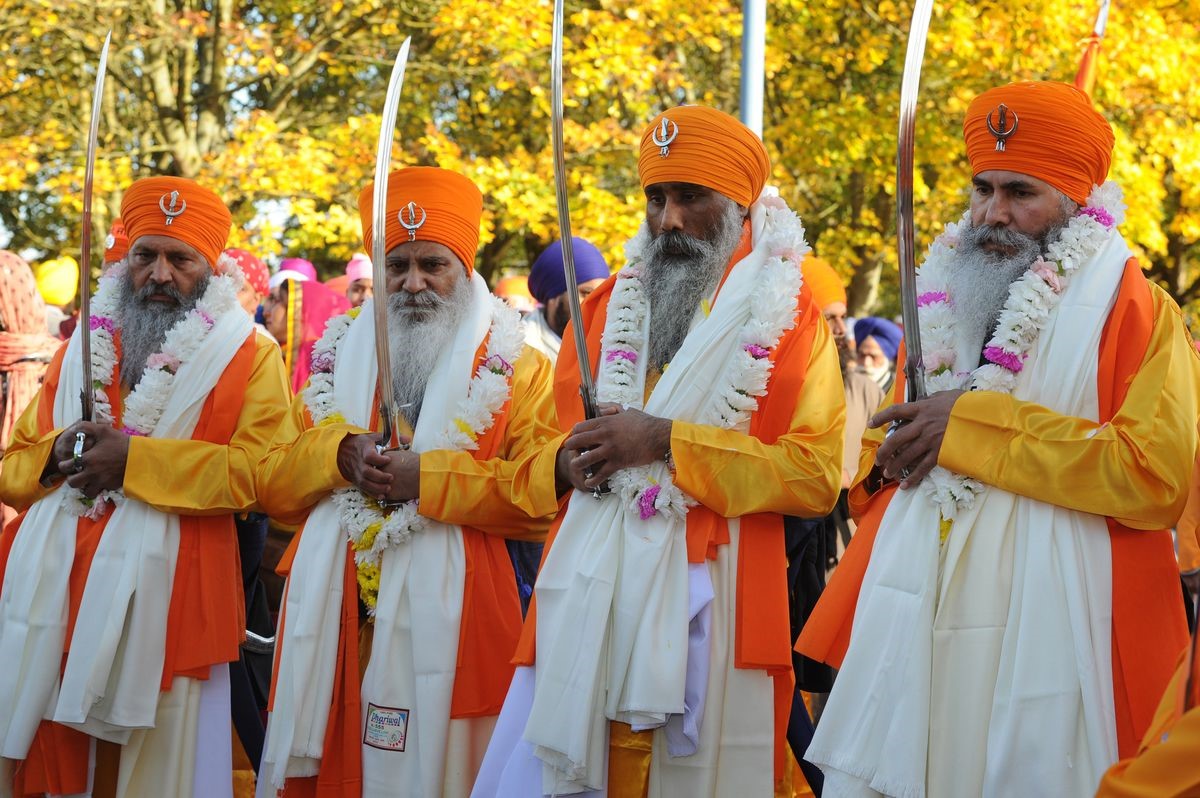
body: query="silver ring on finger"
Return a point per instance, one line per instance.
(904, 472)
(77, 452)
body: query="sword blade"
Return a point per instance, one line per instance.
(87, 395)
(914, 370)
(388, 407)
(587, 385)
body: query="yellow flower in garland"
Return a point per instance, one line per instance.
(331, 419)
(466, 429)
(353, 312)
(368, 584)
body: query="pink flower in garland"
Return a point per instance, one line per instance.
(498, 365)
(1049, 274)
(204, 317)
(948, 240)
(1003, 359)
(102, 323)
(785, 253)
(775, 202)
(757, 352)
(929, 297)
(131, 432)
(161, 360)
(646, 508)
(620, 354)
(322, 362)
(1100, 215)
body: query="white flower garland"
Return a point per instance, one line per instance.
(144, 406)
(369, 529)
(1031, 300)
(744, 379)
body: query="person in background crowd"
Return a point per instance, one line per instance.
(360, 280)
(25, 347)
(877, 342)
(515, 291)
(58, 283)
(548, 284)
(295, 313)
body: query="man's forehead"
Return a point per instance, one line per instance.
(1006, 179)
(678, 186)
(157, 243)
(422, 249)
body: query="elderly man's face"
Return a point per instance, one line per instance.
(166, 262)
(683, 207)
(1014, 201)
(835, 317)
(416, 267)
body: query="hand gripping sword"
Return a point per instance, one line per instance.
(389, 410)
(914, 371)
(87, 395)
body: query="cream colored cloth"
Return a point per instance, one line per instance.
(539, 336)
(984, 668)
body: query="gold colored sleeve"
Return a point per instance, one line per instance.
(1166, 770)
(1135, 468)
(512, 494)
(735, 474)
(202, 478)
(300, 467)
(26, 458)
(1187, 531)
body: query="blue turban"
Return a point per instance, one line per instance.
(546, 278)
(887, 334)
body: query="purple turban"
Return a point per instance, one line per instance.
(546, 278)
(887, 334)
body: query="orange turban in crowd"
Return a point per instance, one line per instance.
(824, 283)
(445, 207)
(117, 243)
(179, 208)
(1049, 131)
(706, 147)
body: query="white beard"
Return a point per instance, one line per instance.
(420, 327)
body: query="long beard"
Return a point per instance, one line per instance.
(145, 324)
(680, 271)
(981, 279)
(420, 327)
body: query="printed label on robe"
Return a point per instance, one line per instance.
(387, 728)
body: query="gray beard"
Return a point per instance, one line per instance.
(145, 324)
(980, 281)
(680, 271)
(420, 327)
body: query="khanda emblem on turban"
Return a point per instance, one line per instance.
(663, 135)
(413, 223)
(176, 207)
(1001, 130)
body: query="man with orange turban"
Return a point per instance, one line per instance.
(660, 617)
(401, 700)
(121, 604)
(1021, 611)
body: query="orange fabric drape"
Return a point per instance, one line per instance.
(1147, 606)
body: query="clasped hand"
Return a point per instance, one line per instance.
(911, 451)
(618, 438)
(105, 454)
(393, 476)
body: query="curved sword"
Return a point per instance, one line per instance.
(87, 395)
(389, 410)
(587, 386)
(914, 371)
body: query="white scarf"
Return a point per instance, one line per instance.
(111, 681)
(1051, 725)
(613, 595)
(414, 653)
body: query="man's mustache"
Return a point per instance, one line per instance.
(404, 301)
(986, 234)
(676, 244)
(156, 289)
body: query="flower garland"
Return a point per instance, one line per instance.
(145, 404)
(370, 527)
(744, 378)
(1031, 299)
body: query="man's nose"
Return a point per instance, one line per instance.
(999, 213)
(673, 216)
(161, 271)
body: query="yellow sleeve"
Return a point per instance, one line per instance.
(300, 467)
(1187, 531)
(202, 478)
(512, 494)
(1170, 769)
(735, 474)
(26, 457)
(1135, 468)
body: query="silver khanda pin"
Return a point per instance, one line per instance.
(412, 224)
(663, 136)
(176, 207)
(1001, 129)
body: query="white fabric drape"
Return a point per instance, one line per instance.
(984, 667)
(110, 684)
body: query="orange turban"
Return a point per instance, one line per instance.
(179, 208)
(822, 281)
(446, 205)
(706, 147)
(117, 243)
(1056, 136)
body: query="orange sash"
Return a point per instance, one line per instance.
(1148, 628)
(206, 617)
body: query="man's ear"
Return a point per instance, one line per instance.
(744, 210)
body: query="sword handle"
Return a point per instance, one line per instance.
(591, 411)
